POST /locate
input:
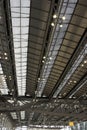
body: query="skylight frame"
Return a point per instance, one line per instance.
(20, 26)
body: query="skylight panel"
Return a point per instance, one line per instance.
(20, 27)
(22, 115)
(14, 115)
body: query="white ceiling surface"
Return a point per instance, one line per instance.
(20, 10)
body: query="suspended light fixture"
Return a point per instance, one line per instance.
(63, 18)
(52, 24)
(54, 16)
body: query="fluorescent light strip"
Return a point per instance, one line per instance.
(20, 26)
(13, 114)
(3, 84)
(72, 70)
(22, 115)
(56, 43)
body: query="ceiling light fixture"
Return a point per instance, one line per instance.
(6, 58)
(70, 81)
(50, 58)
(38, 78)
(74, 81)
(63, 18)
(5, 54)
(85, 61)
(61, 25)
(52, 24)
(44, 57)
(82, 65)
(43, 61)
(54, 16)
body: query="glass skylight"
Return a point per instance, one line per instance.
(3, 84)
(67, 11)
(22, 115)
(20, 10)
(13, 114)
(79, 59)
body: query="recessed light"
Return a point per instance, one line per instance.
(63, 18)
(52, 24)
(44, 57)
(74, 81)
(82, 65)
(43, 61)
(0, 57)
(54, 16)
(70, 81)
(50, 58)
(5, 54)
(43, 79)
(6, 58)
(38, 78)
(61, 25)
(85, 61)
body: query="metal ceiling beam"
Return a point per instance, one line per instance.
(76, 52)
(58, 113)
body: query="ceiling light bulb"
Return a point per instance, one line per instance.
(6, 58)
(70, 81)
(38, 78)
(63, 18)
(85, 61)
(74, 81)
(61, 25)
(52, 24)
(5, 53)
(54, 16)
(82, 65)
(0, 57)
(44, 57)
(43, 61)
(50, 58)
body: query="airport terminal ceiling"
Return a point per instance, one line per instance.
(43, 62)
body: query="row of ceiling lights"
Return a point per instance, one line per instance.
(84, 63)
(50, 58)
(52, 24)
(74, 80)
